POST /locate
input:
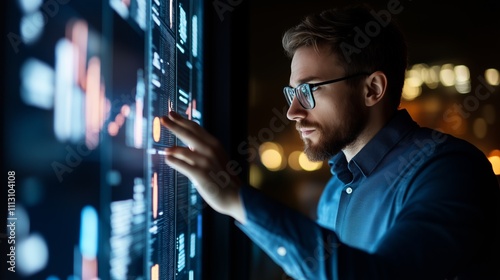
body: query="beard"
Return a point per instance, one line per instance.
(333, 139)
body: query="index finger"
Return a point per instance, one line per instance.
(189, 132)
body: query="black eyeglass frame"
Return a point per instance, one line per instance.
(291, 93)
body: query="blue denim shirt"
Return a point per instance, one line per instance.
(412, 204)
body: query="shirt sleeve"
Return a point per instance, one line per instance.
(444, 223)
(295, 242)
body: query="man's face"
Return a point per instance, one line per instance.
(339, 115)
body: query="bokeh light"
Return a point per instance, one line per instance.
(447, 75)
(308, 165)
(255, 176)
(492, 76)
(293, 160)
(271, 156)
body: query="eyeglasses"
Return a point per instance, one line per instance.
(303, 92)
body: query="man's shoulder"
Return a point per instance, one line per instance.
(435, 142)
(425, 148)
(425, 139)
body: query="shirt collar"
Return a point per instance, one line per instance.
(338, 166)
(372, 153)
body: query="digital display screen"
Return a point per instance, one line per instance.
(89, 194)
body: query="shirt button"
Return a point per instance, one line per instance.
(281, 251)
(348, 190)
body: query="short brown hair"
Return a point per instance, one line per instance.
(363, 38)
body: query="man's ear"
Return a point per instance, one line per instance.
(376, 84)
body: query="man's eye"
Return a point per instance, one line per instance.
(315, 88)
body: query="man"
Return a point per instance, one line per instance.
(404, 202)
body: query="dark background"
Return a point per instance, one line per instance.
(245, 61)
